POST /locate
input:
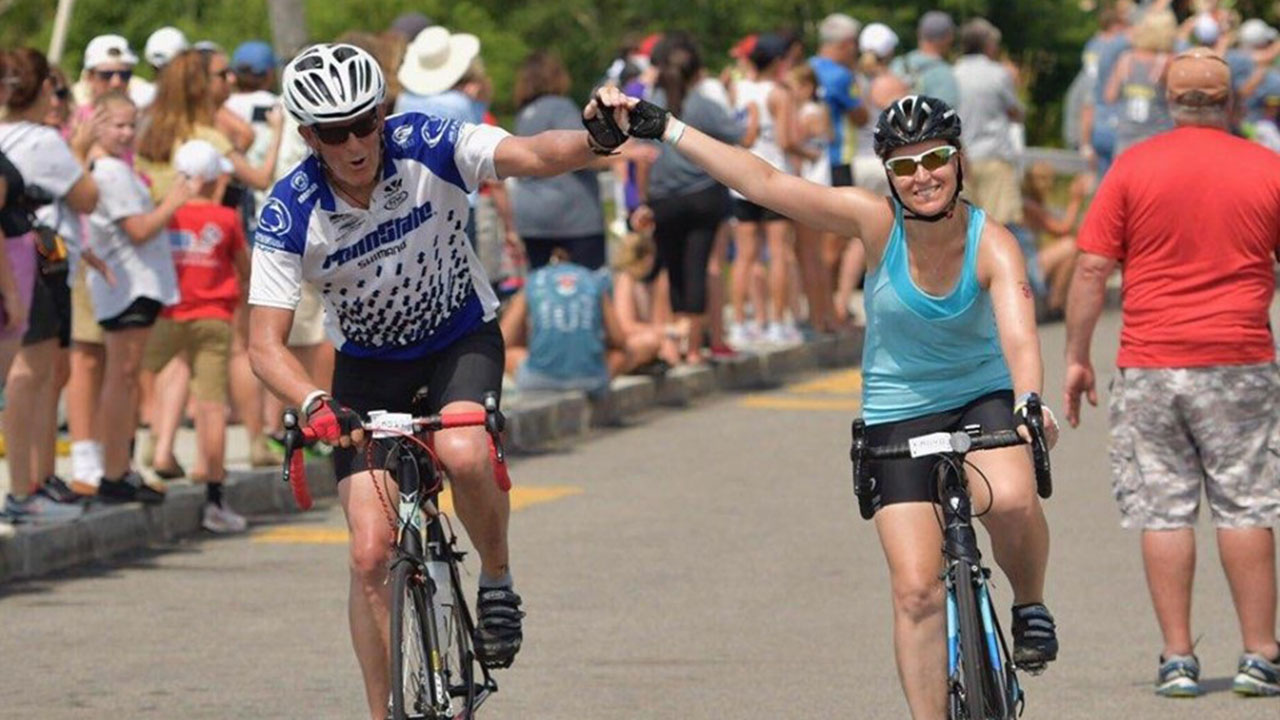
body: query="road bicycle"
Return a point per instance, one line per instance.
(434, 670)
(981, 675)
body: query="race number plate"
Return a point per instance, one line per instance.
(385, 424)
(930, 444)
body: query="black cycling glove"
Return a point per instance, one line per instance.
(648, 121)
(603, 134)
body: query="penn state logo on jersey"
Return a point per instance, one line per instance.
(274, 223)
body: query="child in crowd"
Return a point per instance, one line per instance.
(562, 332)
(212, 261)
(813, 125)
(633, 300)
(126, 231)
(1056, 249)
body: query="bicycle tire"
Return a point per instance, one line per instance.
(458, 658)
(410, 687)
(975, 667)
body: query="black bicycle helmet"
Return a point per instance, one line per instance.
(913, 119)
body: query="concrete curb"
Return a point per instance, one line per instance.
(534, 420)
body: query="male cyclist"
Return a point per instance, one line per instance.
(951, 340)
(375, 219)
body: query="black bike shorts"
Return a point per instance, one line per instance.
(465, 370)
(141, 313)
(747, 211)
(913, 479)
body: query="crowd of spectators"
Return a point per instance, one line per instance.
(127, 204)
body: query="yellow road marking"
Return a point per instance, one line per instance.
(837, 392)
(848, 382)
(521, 497)
(778, 402)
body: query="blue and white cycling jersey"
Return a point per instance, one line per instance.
(399, 280)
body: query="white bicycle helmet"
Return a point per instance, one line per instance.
(331, 83)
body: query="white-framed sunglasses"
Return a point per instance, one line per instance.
(905, 165)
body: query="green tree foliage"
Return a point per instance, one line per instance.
(1044, 37)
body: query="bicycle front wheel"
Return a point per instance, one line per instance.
(410, 671)
(978, 687)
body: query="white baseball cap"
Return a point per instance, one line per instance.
(1256, 33)
(1206, 29)
(199, 159)
(163, 45)
(878, 39)
(107, 49)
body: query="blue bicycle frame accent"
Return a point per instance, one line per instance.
(953, 633)
(989, 628)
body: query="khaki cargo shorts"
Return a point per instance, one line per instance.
(1175, 430)
(206, 344)
(84, 321)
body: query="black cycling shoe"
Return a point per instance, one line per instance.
(498, 628)
(1035, 637)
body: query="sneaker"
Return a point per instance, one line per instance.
(40, 509)
(1257, 676)
(1035, 637)
(1179, 677)
(222, 519)
(498, 628)
(129, 488)
(261, 453)
(780, 334)
(56, 489)
(742, 335)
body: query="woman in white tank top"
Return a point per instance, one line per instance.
(775, 111)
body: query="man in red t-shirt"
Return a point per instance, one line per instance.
(212, 261)
(1192, 217)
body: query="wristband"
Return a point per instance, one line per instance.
(673, 133)
(310, 398)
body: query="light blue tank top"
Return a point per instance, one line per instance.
(924, 354)
(566, 335)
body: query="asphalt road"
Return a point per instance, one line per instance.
(706, 563)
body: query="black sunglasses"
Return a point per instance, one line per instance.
(61, 92)
(337, 134)
(106, 75)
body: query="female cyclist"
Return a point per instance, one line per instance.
(951, 341)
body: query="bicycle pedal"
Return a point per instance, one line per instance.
(1033, 669)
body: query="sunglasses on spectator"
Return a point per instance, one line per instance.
(337, 134)
(905, 165)
(224, 73)
(61, 92)
(107, 75)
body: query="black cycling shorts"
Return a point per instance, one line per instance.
(747, 211)
(141, 313)
(465, 370)
(913, 479)
(50, 315)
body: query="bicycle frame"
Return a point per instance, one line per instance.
(960, 545)
(423, 540)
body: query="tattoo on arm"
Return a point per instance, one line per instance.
(1026, 289)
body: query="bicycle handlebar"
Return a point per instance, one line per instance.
(296, 436)
(941, 443)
